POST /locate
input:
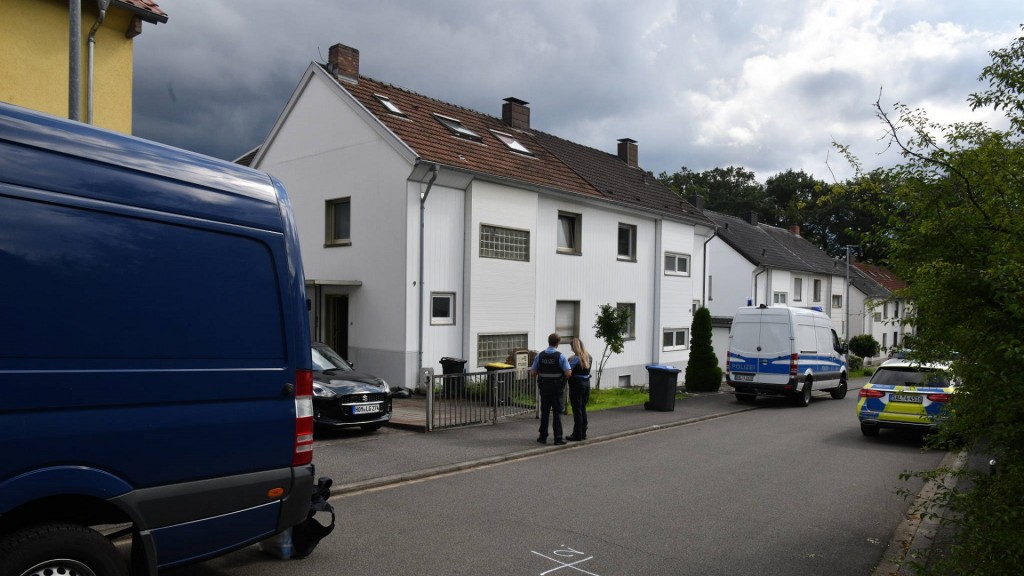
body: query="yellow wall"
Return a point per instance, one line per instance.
(34, 60)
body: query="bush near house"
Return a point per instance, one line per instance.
(702, 371)
(865, 345)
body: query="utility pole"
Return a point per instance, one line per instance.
(847, 297)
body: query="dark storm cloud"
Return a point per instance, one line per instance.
(698, 84)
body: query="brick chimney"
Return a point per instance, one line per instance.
(795, 229)
(628, 152)
(343, 62)
(515, 114)
(698, 202)
(752, 218)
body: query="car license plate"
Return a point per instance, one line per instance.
(366, 409)
(743, 377)
(908, 398)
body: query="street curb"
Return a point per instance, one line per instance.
(913, 537)
(343, 490)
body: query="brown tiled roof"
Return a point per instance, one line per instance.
(433, 142)
(146, 9)
(553, 164)
(881, 275)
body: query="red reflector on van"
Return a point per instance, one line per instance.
(870, 393)
(303, 418)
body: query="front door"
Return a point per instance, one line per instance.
(336, 324)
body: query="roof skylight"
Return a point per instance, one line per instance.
(387, 103)
(510, 141)
(458, 129)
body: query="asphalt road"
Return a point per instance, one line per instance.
(773, 491)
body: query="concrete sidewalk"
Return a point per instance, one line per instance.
(363, 464)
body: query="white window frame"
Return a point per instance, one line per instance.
(630, 254)
(331, 222)
(817, 290)
(779, 297)
(675, 258)
(798, 289)
(567, 318)
(675, 334)
(448, 320)
(837, 300)
(630, 332)
(569, 223)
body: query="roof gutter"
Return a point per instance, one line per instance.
(434, 169)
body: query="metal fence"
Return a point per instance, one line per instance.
(479, 397)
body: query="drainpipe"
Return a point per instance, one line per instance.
(423, 206)
(753, 290)
(75, 60)
(102, 5)
(659, 271)
(704, 288)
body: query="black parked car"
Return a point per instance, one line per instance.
(343, 397)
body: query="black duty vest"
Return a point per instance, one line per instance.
(549, 369)
(578, 371)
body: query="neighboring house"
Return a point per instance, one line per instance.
(750, 264)
(35, 57)
(883, 310)
(430, 230)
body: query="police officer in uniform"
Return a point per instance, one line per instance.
(551, 369)
(579, 389)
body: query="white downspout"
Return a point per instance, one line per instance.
(704, 288)
(423, 207)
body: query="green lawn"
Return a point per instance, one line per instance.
(615, 397)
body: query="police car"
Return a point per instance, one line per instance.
(905, 394)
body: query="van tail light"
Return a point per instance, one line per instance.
(793, 359)
(870, 393)
(939, 397)
(303, 418)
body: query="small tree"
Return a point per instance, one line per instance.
(610, 327)
(702, 371)
(864, 345)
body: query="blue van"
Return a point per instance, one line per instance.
(155, 373)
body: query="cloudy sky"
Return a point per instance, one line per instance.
(767, 85)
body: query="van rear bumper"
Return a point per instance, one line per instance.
(193, 521)
(764, 388)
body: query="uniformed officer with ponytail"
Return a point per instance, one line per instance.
(551, 369)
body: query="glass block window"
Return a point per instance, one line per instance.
(504, 243)
(497, 347)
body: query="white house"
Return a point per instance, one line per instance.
(429, 230)
(750, 263)
(883, 312)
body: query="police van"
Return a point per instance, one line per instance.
(783, 351)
